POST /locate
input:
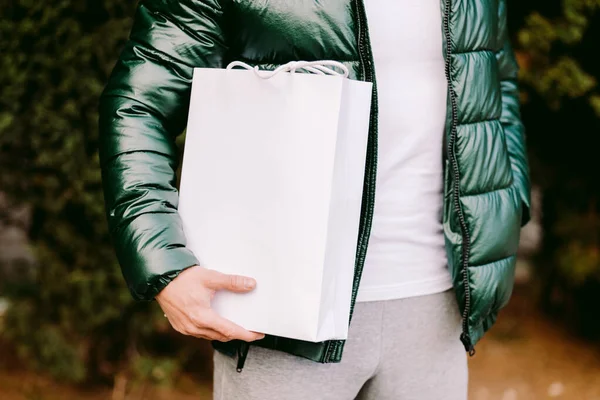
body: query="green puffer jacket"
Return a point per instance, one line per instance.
(144, 107)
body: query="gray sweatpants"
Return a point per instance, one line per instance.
(406, 349)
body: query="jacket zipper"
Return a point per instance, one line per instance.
(367, 74)
(242, 353)
(465, 338)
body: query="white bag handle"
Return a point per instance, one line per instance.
(316, 67)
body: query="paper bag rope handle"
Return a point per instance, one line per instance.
(316, 67)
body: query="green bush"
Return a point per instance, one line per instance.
(560, 73)
(75, 318)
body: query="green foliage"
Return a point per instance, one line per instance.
(157, 370)
(579, 258)
(551, 70)
(561, 74)
(578, 263)
(76, 319)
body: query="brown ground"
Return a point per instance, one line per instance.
(524, 357)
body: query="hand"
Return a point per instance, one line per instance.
(186, 303)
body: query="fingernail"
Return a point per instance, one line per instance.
(249, 283)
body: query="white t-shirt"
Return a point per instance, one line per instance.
(406, 255)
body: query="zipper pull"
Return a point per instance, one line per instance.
(466, 341)
(242, 354)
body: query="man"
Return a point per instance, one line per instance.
(446, 185)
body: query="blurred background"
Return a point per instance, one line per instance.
(68, 326)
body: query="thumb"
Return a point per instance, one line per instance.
(234, 283)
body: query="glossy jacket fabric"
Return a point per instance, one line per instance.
(144, 107)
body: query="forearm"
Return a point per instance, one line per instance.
(142, 110)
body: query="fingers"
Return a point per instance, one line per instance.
(210, 325)
(225, 331)
(234, 283)
(209, 334)
(229, 329)
(189, 327)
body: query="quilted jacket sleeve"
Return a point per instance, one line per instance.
(142, 109)
(511, 117)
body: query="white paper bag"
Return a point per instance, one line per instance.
(271, 188)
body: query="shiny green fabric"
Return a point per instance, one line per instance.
(144, 107)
